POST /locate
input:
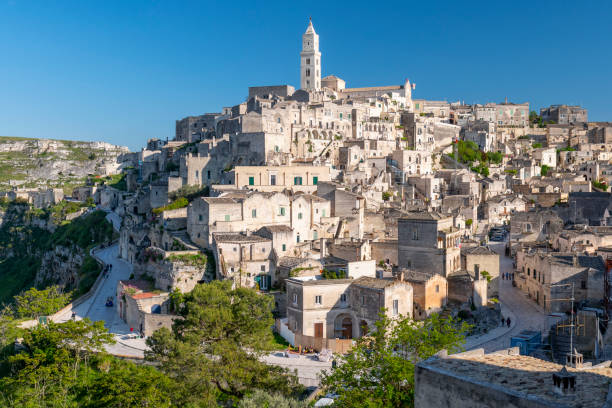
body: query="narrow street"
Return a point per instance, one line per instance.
(95, 309)
(524, 313)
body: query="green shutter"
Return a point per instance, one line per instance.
(227, 217)
(251, 181)
(315, 180)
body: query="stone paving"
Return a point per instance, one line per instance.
(524, 313)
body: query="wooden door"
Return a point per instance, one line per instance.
(318, 328)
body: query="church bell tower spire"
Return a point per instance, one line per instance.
(310, 60)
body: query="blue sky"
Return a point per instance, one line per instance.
(124, 71)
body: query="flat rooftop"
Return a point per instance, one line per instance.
(525, 376)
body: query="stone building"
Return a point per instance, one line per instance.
(564, 114)
(310, 60)
(506, 379)
(305, 214)
(142, 308)
(343, 308)
(430, 292)
(276, 178)
(548, 278)
(429, 242)
(480, 259)
(247, 259)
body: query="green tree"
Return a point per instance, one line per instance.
(544, 170)
(214, 347)
(261, 399)
(379, 370)
(47, 370)
(34, 303)
(469, 222)
(121, 384)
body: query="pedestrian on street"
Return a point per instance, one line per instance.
(508, 322)
(503, 321)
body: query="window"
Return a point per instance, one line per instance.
(535, 273)
(528, 271)
(208, 174)
(235, 249)
(251, 181)
(196, 174)
(298, 238)
(200, 217)
(583, 285)
(295, 298)
(254, 213)
(343, 297)
(299, 216)
(323, 213)
(363, 300)
(415, 234)
(272, 179)
(263, 268)
(315, 180)
(282, 210)
(315, 235)
(295, 325)
(308, 59)
(284, 247)
(395, 307)
(437, 288)
(227, 217)
(297, 181)
(307, 72)
(318, 299)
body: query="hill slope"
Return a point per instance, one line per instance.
(54, 163)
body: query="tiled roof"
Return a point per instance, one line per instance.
(478, 250)
(373, 283)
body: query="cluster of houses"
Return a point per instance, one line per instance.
(342, 201)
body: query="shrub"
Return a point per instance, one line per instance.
(181, 202)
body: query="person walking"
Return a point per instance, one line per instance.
(503, 321)
(508, 322)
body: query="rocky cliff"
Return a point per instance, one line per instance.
(56, 163)
(36, 253)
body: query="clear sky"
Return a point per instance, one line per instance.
(124, 71)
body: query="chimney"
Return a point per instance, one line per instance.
(323, 247)
(564, 382)
(574, 359)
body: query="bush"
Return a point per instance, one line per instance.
(544, 170)
(536, 145)
(175, 205)
(327, 274)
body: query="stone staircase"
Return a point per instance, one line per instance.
(183, 238)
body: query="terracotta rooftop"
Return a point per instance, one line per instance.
(524, 376)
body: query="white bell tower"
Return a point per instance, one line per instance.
(310, 64)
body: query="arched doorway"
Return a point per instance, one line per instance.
(347, 328)
(343, 326)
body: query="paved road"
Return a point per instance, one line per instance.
(527, 315)
(94, 308)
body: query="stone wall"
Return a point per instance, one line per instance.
(435, 388)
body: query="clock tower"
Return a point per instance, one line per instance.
(310, 60)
